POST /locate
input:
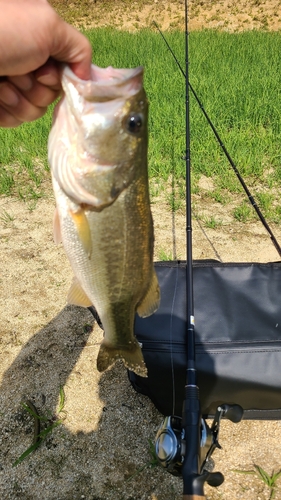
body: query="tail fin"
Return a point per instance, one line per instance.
(131, 356)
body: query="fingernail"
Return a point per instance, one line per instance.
(8, 96)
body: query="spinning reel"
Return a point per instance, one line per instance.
(171, 445)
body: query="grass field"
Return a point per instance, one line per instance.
(238, 79)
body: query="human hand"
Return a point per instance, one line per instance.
(34, 40)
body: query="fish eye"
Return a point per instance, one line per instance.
(134, 123)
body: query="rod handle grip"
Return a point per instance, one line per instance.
(193, 497)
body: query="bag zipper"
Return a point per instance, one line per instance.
(180, 347)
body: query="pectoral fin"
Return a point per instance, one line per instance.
(83, 229)
(56, 227)
(77, 296)
(151, 301)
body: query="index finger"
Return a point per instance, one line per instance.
(73, 48)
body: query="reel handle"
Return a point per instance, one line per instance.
(197, 482)
(234, 413)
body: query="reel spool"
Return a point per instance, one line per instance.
(170, 443)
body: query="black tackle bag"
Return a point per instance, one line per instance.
(238, 338)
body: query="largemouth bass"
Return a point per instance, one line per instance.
(98, 158)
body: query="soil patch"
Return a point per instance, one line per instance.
(130, 15)
(99, 449)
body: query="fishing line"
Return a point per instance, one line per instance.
(180, 441)
(207, 238)
(221, 144)
(171, 343)
(189, 269)
(173, 193)
(191, 413)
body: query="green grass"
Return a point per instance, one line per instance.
(270, 480)
(212, 222)
(50, 421)
(236, 76)
(23, 158)
(163, 255)
(243, 213)
(6, 218)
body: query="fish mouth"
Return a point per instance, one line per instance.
(108, 75)
(106, 84)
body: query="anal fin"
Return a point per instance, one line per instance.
(77, 296)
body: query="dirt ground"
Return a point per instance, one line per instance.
(100, 451)
(45, 345)
(226, 15)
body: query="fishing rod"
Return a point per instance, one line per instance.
(191, 414)
(185, 444)
(242, 182)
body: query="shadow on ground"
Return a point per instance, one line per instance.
(99, 449)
